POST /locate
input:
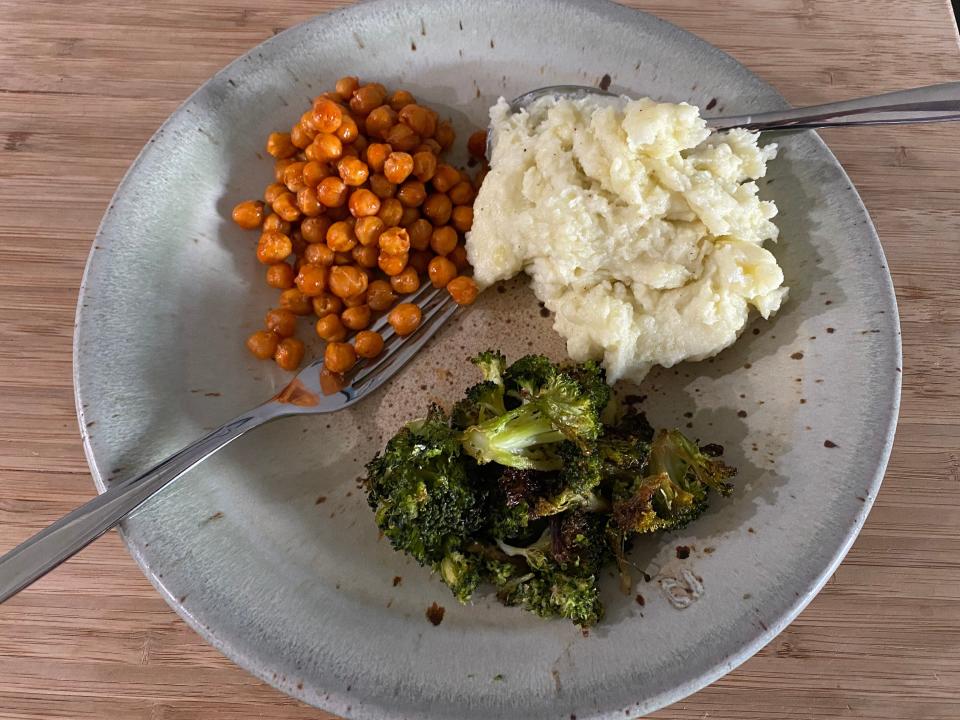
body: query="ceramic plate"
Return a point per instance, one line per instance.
(268, 549)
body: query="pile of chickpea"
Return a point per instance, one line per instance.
(361, 212)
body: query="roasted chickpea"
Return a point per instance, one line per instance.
(400, 99)
(368, 230)
(397, 167)
(477, 144)
(315, 171)
(279, 145)
(420, 231)
(462, 193)
(419, 260)
(443, 240)
(380, 295)
(348, 132)
(273, 247)
(346, 281)
(437, 208)
(445, 135)
(356, 318)
(412, 193)
(445, 177)
(295, 301)
(441, 271)
(325, 148)
(325, 304)
(382, 187)
(430, 145)
(419, 119)
(353, 171)
(308, 203)
(395, 241)
(459, 257)
(363, 203)
(463, 290)
(410, 215)
(249, 214)
(392, 264)
(379, 121)
(406, 282)
(330, 328)
(263, 344)
(312, 279)
(279, 166)
(327, 115)
(340, 237)
(424, 165)
(339, 357)
(314, 230)
(365, 256)
(332, 192)
(280, 276)
(281, 321)
(355, 300)
(289, 353)
(368, 343)
(367, 98)
(346, 86)
(391, 211)
(275, 223)
(402, 138)
(285, 205)
(404, 318)
(273, 191)
(462, 218)
(301, 135)
(376, 156)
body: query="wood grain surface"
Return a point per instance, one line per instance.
(84, 84)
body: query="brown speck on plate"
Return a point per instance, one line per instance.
(683, 552)
(797, 356)
(397, 580)
(751, 531)
(435, 612)
(605, 81)
(741, 413)
(321, 499)
(640, 600)
(829, 444)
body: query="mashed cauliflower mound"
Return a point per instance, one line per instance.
(641, 230)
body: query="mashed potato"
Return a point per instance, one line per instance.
(641, 230)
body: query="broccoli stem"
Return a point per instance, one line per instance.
(513, 440)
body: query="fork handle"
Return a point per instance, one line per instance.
(37, 556)
(933, 103)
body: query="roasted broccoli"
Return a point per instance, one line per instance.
(556, 406)
(523, 487)
(421, 491)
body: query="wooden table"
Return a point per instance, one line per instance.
(83, 84)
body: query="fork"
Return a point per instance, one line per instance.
(311, 392)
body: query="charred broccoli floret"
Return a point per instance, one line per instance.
(559, 409)
(419, 487)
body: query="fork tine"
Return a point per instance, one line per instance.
(434, 314)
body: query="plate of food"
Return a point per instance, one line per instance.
(634, 455)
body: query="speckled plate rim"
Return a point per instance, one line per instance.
(339, 705)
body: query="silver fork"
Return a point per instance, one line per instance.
(304, 395)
